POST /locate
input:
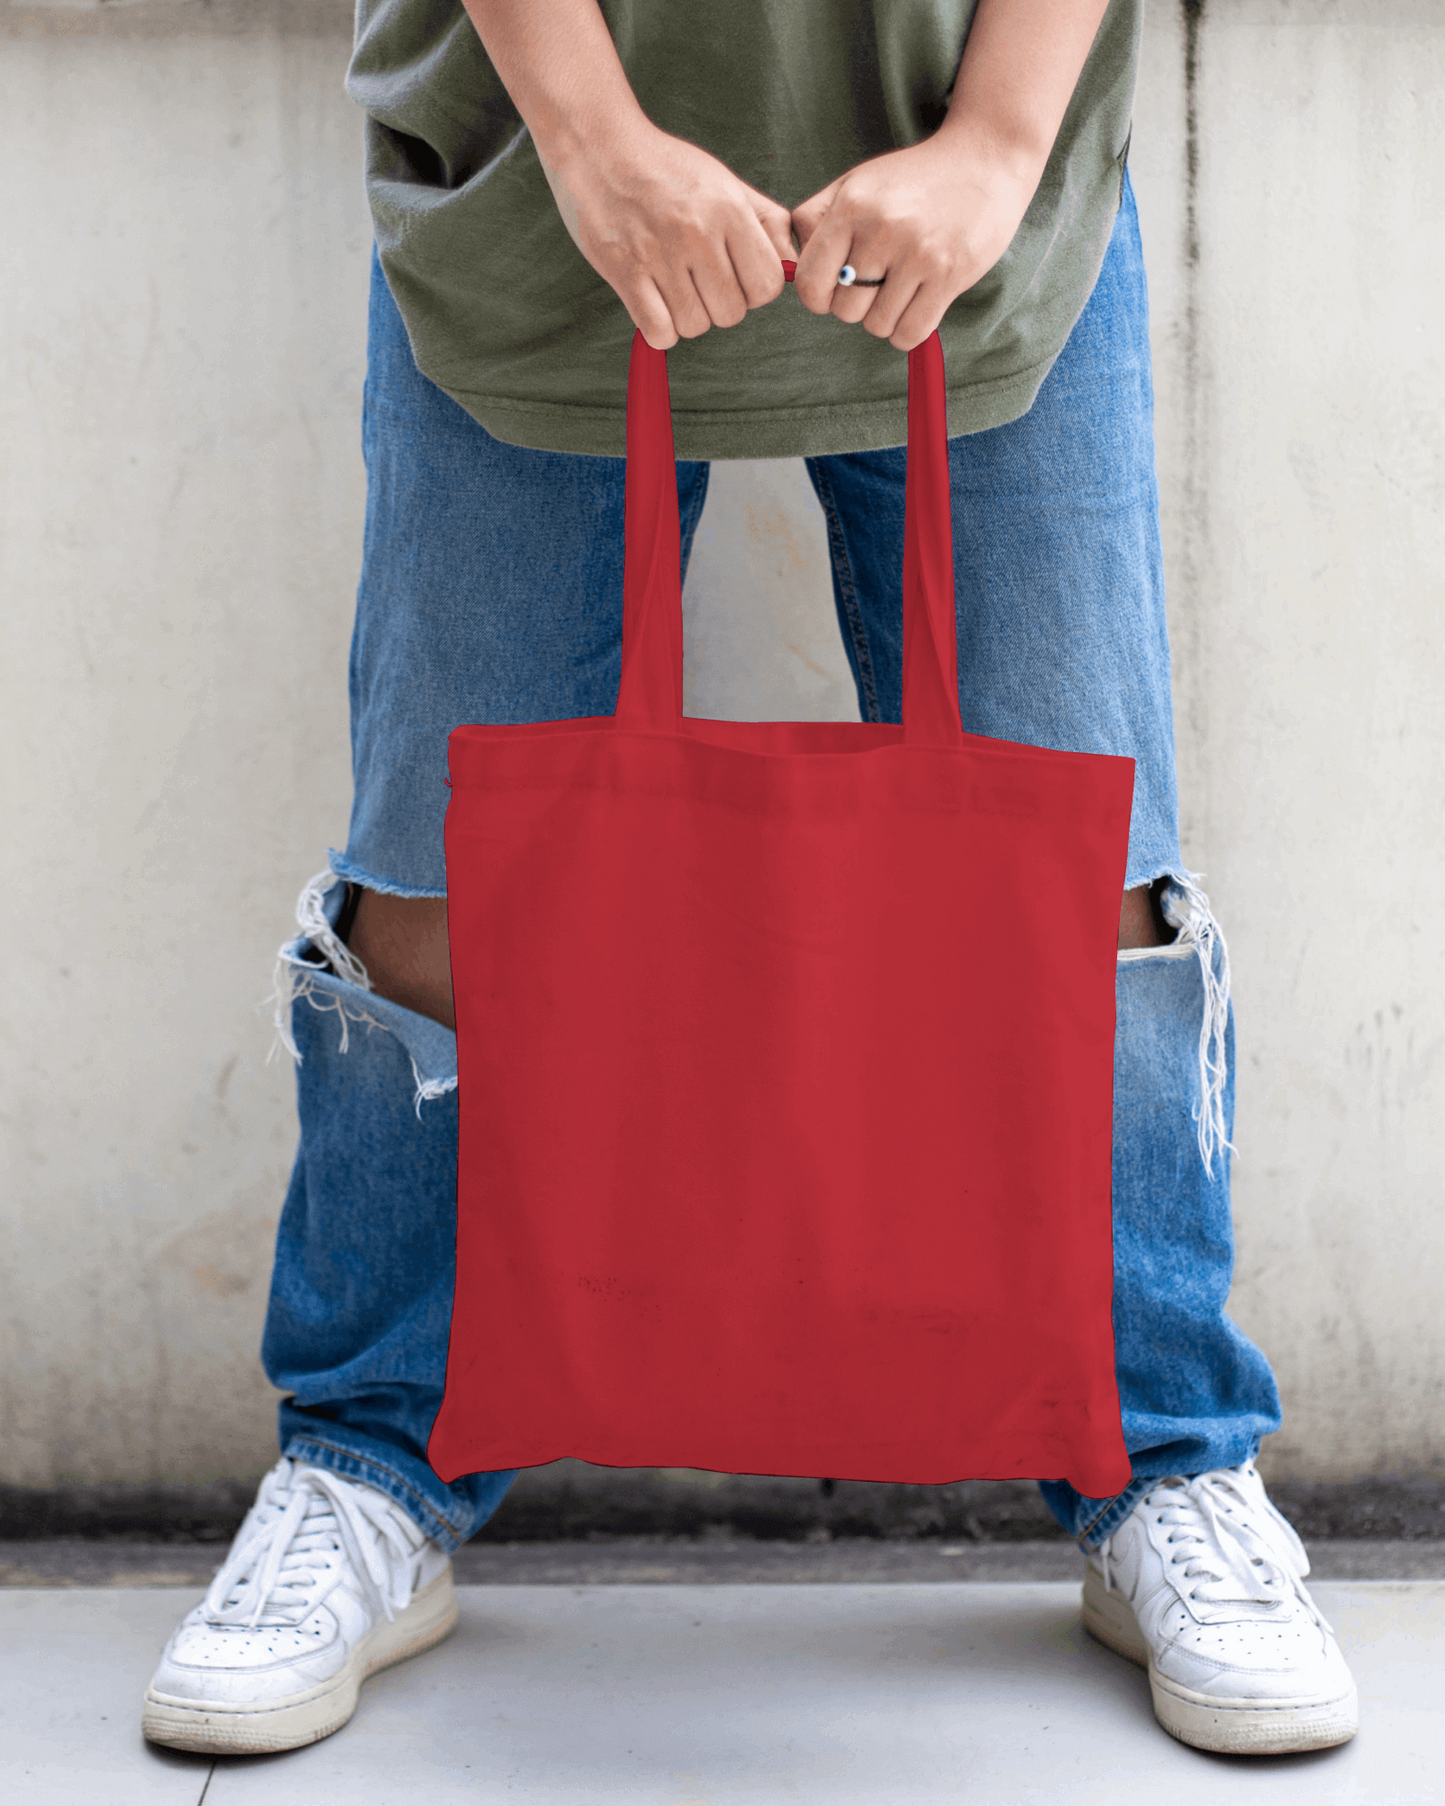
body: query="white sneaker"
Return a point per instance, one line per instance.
(1203, 1585)
(327, 1581)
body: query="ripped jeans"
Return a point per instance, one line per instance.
(491, 591)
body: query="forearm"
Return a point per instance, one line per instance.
(934, 217)
(684, 243)
(557, 60)
(1020, 67)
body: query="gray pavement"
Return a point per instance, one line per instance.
(706, 1695)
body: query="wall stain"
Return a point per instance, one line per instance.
(212, 1278)
(1187, 619)
(1193, 18)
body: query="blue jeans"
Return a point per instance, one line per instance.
(491, 590)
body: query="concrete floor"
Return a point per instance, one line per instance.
(706, 1695)
(685, 1561)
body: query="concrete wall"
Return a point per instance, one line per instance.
(182, 337)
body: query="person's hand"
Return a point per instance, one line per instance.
(685, 243)
(932, 219)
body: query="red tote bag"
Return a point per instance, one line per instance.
(785, 1060)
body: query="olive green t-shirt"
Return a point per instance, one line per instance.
(507, 316)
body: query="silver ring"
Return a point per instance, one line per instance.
(848, 277)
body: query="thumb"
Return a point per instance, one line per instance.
(808, 215)
(776, 222)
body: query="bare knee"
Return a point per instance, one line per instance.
(402, 942)
(1141, 918)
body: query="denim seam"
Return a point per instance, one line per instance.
(1123, 1503)
(688, 527)
(425, 1512)
(843, 573)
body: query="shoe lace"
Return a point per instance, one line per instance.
(1232, 1546)
(304, 1516)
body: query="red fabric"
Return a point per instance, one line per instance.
(786, 1063)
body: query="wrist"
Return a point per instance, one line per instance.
(592, 132)
(1015, 150)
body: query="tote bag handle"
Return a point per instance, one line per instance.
(650, 696)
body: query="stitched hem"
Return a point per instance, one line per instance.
(1111, 1514)
(336, 1458)
(704, 434)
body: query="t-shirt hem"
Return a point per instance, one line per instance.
(752, 433)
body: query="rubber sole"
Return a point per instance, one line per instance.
(1232, 1727)
(219, 1729)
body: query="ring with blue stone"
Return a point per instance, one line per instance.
(848, 277)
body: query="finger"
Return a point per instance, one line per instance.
(757, 257)
(823, 256)
(777, 225)
(921, 314)
(650, 314)
(721, 293)
(684, 304)
(889, 302)
(808, 215)
(854, 305)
